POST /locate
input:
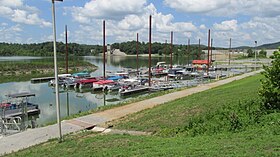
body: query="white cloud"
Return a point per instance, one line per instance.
(202, 26)
(267, 8)
(109, 9)
(11, 3)
(16, 11)
(226, 26)
(10, 33)
(124, 25)
(196, 6)
(263, 29)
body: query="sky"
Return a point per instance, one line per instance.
(245, 21)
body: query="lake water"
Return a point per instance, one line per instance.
(73, 102)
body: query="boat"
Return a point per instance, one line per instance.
(85, 83)
(112, 87)
(13, 108)
(129, 90)
(101, 84)
(70, 82)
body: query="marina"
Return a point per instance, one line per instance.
(80, 92)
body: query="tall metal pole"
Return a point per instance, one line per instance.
(137, 52)
(104, 49)
(171, 48)
(150, 47)
(198, 54)
(56, 75)
(229, 53)
(256, 55)
(208, 51)
(165, 51)
(211, 50)
(66, 49)
(189, 52)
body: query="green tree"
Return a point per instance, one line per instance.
(250, 52)
(270, 88)
(262, 53)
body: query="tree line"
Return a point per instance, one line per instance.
(158, 48)
(46, 49)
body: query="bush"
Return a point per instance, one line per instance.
(270, 88)
(228, 118)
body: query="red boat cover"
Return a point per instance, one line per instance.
(102, 82)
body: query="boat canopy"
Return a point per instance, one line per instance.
(3, 105)
(200, 62)
(88, 81)
(81, 74)
(103, 82)
(114, 78)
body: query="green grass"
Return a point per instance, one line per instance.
(90, 144)
(224, 121)
(178, 113)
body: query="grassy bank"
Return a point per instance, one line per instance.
(224, 121)
(25, 70)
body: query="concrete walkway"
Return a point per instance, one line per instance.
(39, 135)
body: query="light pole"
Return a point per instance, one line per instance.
(55, 72)
(256, 55)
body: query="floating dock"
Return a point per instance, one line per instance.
(31, 110)
(134, 91)
(42, 79)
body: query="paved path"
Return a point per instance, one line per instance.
(39, 135)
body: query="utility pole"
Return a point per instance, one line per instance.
(165, 51)
(189, 51)
(171, 48)
(208, 52)
(150, 48)
(229, 57)
(211, 50)
(104, 49)
(198, 54)
(137, 42)
(66, 49)
(56, 72)
(256, 42)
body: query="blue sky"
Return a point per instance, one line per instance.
(30, 21)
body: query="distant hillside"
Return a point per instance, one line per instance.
(242, 47)
(269, 46)
(264, 46)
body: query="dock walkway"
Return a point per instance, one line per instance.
(39, 135)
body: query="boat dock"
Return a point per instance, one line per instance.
(42, 79)
(31, 110)
(134, 91)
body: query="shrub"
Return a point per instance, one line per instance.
(270, 85)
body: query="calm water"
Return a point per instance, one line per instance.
(73, 101)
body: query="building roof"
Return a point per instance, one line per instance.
(200, 62)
